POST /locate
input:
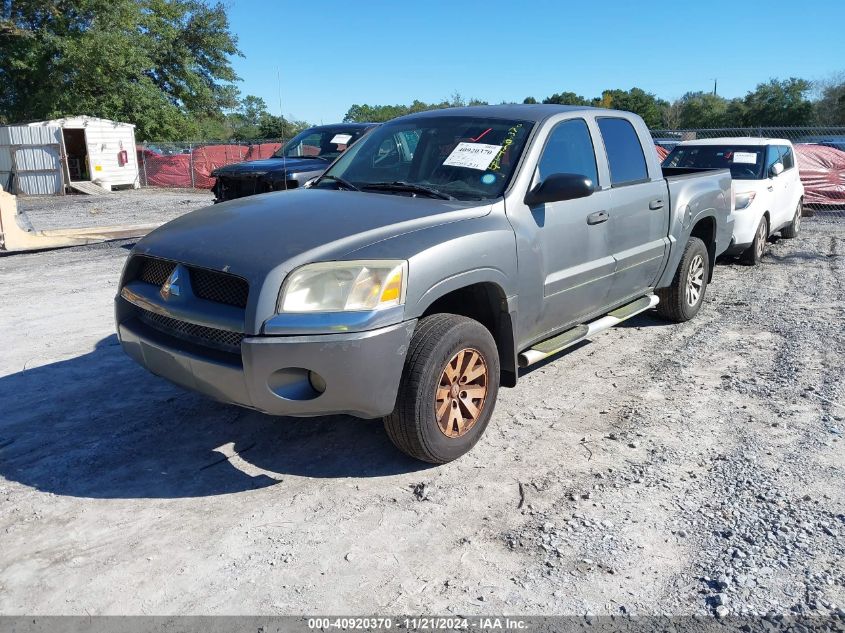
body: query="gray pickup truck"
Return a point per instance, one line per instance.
(434, 259)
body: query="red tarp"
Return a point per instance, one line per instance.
(158, 170)
(822, 171)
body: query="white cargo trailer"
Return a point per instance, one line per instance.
(85, 153)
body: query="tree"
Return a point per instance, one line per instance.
(251, 121)
(702, 110)
(830, 108)
(530, 100)
(567, 98)
(779, 103)
(635, 100)
(364, 113)
(160, 64)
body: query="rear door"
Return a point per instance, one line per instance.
(792, 182)
(639, 211)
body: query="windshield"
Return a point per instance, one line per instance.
(465, 157)
(744, 161)
(323, 142)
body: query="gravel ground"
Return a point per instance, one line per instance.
(659, 469)
(120, 207)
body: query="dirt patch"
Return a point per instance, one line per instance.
(658, 469)
(120, 207)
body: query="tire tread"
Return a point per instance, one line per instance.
(672, 301)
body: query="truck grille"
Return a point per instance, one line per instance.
(207, 284)
(233, 188)
(219, 287)
(221, 339)
(155, 271)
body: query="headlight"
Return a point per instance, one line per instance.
(344, 286)
(743, 200)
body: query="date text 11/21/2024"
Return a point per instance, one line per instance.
(422, 623)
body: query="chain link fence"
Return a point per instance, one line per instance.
(188, 165)
(820, 152)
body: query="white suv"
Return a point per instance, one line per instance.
(768, 194)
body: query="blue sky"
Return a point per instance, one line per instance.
(329, 55)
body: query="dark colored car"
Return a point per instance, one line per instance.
(305, 156)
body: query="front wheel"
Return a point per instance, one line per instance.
(682, 300)
(754, 253)
(448, 389)
(791, 231)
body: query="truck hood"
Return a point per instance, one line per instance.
(265, 236)
(267, 165)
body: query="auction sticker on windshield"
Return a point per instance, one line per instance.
(341, 139)
(745, 157)
(472, 156)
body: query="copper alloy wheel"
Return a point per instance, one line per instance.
(459, 398)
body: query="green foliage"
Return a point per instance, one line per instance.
(702, 109)
(379, 113)
(160, 64)
(830, 108)
(779, 103)
(567, 98)
(638, 101)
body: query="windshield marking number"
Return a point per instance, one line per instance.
(472, 155)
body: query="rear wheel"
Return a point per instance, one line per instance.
(448, 389)
(754, 253)
(791, 231)
(682, 300)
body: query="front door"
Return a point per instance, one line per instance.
(572, 235)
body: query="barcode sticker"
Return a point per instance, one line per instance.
(745, 157)
(472, 156)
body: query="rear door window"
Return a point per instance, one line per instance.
(569, 150)
(624, 151)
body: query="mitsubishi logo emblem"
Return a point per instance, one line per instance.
(171, 287)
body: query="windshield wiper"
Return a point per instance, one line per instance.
(341, 181)
(399, 185)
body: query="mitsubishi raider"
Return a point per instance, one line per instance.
(433, 259)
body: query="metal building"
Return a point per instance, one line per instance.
(84, 153)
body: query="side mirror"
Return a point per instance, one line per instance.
(559, 187)
(776, 169)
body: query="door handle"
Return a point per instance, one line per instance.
(770, 188)
(598, 217)
(655, 204)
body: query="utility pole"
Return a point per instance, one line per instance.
(714, 86)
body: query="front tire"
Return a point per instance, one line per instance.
(682, 300)
(754, 253)
(791, 231)
(448, 389)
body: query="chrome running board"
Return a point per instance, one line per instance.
(558, 343)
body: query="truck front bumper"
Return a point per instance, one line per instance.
(352, 373)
